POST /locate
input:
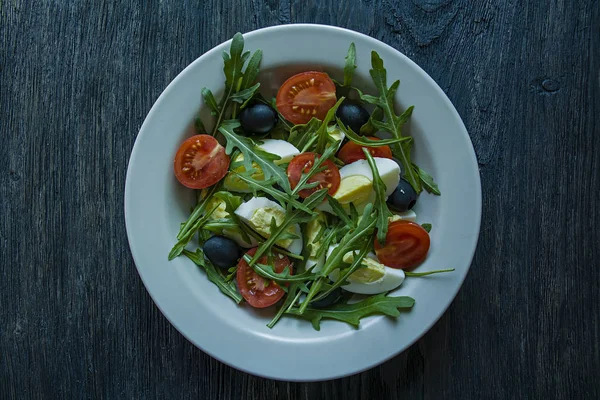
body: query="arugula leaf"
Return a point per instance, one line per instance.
(217, 225)
(350, 65)
(254, 153)
(234, 61)
(427, 181)
(349, 242)
(209, 99)
(213, 275)
(292, 217)
(266, 186)
(292, 297)
(369, 129)
(199, 126)
(329, 237)
(383, 212)
(356, 263)
(427, 227)
(323, 136)
(197, 212)
(363, 141)
(302, 136)
(352, 313)
(232, 202)
(252, 69)
(339, 211)
(181, 243)
(244, 95)
(392, 123)
(238, 82)
(316, 168)
(267, 271)
(417, 274)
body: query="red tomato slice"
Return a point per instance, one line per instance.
(306, 95)
(200, 162)
(253, 287)
(406, 245)
(328, 178)
(351, 151)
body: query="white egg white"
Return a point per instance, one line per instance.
(391, 279)
(409, 215)
(247, 210)
(280, 148)
(389, 171)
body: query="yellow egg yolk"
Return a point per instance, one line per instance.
(261, 222)
(354, 189)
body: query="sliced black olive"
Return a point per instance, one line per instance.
(221, 251)
(352, 115)
(403, 198)
(258, 118)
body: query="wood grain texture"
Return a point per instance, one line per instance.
(76, 81)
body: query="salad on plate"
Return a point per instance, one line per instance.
(305, 201)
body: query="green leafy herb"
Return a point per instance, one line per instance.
(267, 271)
(323, 136)
(217, 225)
(363, 141)
(417, 274)
(316, 168)
(251, 153)
(199, 126)
(427, 181)
(244, 95)
(180, 245)
(232, 272)
(383, 212)
(329, 237)
(292, 297)
(369, 129)
(352, 313)
(356, 263)
(339, 211)
(427, 227)
(196, 213)
(292, 217)
(350, 242)
(350, 65)
(239, 86)
(232, 202)
(266, 186)
(213, 275)
(392, 123)
(304, 135)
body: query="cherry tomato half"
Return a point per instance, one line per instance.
(306, 95)
(328, 178)
(200, 162)
(351, 151)
(406, 245)
(253, 287)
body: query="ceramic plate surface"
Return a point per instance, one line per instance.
(155, 205)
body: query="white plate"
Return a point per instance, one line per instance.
(155, 205)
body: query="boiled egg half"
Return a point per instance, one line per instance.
(258, 213)
(372, 278)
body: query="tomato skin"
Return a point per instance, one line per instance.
(306, 95)
(328, 178)
(252, 286)
(406, 245)
(200, 162)
(351, 151)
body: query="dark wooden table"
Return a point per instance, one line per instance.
(76, 81)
